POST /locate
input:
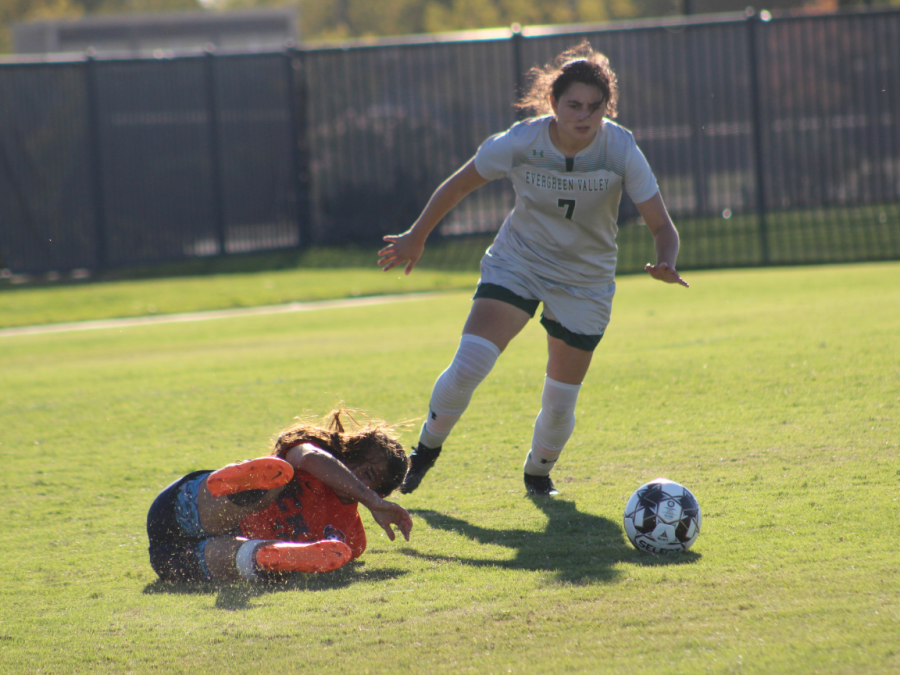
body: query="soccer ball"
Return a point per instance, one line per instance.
(662, 517)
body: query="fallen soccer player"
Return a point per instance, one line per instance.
(293, 511)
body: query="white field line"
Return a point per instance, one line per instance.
(214, 314)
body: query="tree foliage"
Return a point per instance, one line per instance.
(343, 19)
(336, 19)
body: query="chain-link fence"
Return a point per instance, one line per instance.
(775, 140)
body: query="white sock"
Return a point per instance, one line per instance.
(453, 390)
(553, 426)
(243, 559)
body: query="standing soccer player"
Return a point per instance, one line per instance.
(557, 246)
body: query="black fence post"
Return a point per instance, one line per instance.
(299, 136)
(517, 38)
(698, 111)
(753, 22)
(215, 163)
(95, 149)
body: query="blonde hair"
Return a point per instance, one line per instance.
(577, 64)
(372, 440)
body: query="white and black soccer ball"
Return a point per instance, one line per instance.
(662, 517)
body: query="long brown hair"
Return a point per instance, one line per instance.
(372, 440)
(577, 64)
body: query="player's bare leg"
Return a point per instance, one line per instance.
(496, 321)
(566, 363)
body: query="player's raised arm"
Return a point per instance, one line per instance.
(408, 247)
(665, 240)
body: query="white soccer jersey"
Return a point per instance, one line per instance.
(563, 225)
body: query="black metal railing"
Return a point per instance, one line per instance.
(775, 140)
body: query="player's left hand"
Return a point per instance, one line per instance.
(663, 272)
(387, 514)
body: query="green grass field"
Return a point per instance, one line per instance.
(774, 395)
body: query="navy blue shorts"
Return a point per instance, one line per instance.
(173, 554)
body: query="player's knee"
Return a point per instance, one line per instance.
(474, 360)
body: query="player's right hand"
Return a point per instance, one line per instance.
(401, 248)
(387, 514)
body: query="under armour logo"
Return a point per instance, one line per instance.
(537, 153)
(434, 415)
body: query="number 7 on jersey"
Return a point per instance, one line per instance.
(568, 205)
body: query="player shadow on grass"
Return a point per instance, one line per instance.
(578, 547)
(238, 595)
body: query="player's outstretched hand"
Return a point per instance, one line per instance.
(665, 273)
(387, 514)
(401, 248)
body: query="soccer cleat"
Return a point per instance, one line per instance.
(317, 557)
(420, 461)
(263, 473)
(539, 485)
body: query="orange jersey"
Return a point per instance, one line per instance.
(308, 510)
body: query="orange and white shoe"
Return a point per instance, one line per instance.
(319, 556)
(263, 473)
